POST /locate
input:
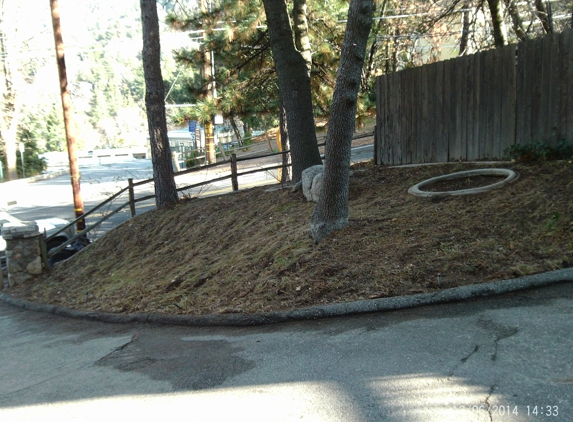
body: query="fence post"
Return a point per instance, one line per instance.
(131, 197)
(234, 179)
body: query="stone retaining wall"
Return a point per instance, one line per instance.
(23, 251)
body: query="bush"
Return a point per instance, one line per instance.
(539, 151)
(191, 160)
(33, 164)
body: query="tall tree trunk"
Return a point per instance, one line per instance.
(236, 129)
(165, 189)
(295, 88)
(465, 38)
(516, 20)
(10, 108)
(208, 91)
(331, 212)
(499, 35)
(543, 16)
(285, 144)
(301, 40)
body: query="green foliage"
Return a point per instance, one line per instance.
(192, 160)
(44, 128)
(244, 70)
(539, 151)
(33, 163)
(245, 74)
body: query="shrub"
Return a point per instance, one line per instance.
(191, 160)
(539, 151)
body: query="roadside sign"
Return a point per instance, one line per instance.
(192, 125)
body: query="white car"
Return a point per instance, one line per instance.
(49, 225)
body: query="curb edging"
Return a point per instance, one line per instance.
(455, 294)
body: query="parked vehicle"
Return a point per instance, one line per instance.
(49, 226)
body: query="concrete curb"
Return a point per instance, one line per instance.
(511, 176)
(455, 294)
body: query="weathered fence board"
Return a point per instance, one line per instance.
(508, 104)
(474, 107)
(440, 147)
(473, 104)
(569, 43)
(416, 80)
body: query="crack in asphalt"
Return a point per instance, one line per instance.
(508, 332)
(464, 360)
(491, 389)
(118, 349)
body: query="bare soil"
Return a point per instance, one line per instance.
(251, 251)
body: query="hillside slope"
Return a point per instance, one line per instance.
(251, 252)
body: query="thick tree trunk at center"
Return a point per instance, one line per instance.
(295, 89)
(331, 212)
(165, 189)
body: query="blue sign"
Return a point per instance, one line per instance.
(192, 125)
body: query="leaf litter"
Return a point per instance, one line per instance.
(251, 251)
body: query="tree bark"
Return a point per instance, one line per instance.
(331, 212)
(544, 17)
(285, 144)
(207, 72)
(516, 20)
(295, 88)
(302, 42)
(10, 107)
(236, 129)
(499, 35)
(165, 189)
(466, 23)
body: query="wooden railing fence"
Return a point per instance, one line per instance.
(473, 107)
(132, 201)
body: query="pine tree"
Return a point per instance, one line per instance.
(165, 189)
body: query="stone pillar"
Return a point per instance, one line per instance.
(23, 253)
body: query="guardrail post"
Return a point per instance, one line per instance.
(131, 197)
(234, 177)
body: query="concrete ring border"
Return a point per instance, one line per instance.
(511, 176)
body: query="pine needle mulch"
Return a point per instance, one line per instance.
(251, 251)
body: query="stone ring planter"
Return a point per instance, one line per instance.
(511, 176)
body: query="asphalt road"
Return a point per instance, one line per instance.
(504, 358)
(53, 197)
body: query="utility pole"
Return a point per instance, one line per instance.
(208, 71)
(67, 106)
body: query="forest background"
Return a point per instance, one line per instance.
(103, 53)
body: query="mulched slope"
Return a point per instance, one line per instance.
(250, 251)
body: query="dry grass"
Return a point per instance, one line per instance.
(250, 252)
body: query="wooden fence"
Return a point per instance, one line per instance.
(132, 200)
(473, 107)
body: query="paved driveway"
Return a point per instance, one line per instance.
(507, 358)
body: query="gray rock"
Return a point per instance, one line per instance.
(308, 176)
(35, 267)
(317, 183)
